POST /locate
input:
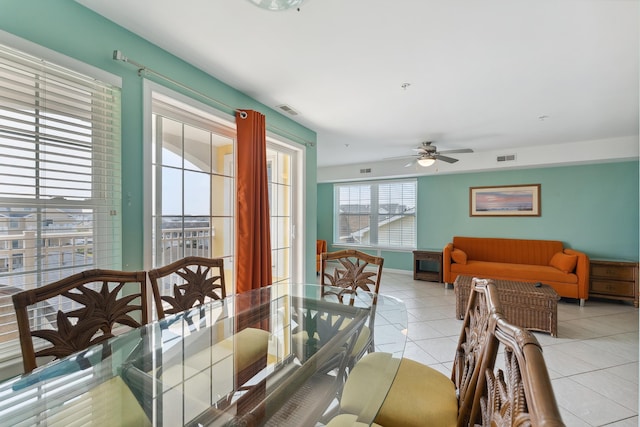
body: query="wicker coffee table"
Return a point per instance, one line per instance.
(523, 303)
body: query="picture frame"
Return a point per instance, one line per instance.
(506, 200)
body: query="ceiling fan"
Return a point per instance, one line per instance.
(427, 154)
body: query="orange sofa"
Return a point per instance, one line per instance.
(545, 261)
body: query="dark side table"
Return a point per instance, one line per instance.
(427, 265)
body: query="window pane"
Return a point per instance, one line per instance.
(280, 261)
(197, 236)
(222, 192)
(171, 143)
(280, 232)
(396, 214)
(222, 237)
(171, 248)
(354, 209)
(197, 149)
(171, 191)
(197, 193)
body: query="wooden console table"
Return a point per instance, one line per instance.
(614, 279)
(427, 265)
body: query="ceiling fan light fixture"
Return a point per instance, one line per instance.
(277, 5)
(426, 161)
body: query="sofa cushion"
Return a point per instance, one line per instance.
(412, 383)
(435, 391)
(564, 262)
(459, 256)
(506, 271)
(349, 420)
(514, 251)
(109, 404)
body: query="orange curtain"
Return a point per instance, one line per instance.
(253, 235)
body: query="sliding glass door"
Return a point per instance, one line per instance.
(192, 190)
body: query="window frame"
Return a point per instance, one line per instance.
(101, 195)
(275, 142)
(373, 214)
(189, 112)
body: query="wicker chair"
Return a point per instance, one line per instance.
(520, 393)
(202, 280)
(345, 280)
(476, 394)
(98, 304)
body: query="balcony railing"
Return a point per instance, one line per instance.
(24, 264)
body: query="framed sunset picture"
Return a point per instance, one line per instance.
(513, 200)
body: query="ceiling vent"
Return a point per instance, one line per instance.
(287, 109)
(367, 170)
(506, 158)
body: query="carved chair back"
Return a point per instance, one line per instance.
(193, 281)
(321, 246)
(518, 392)
(353, 271)
(470, 351)
(94, 305)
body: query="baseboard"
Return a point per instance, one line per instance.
(397, 271)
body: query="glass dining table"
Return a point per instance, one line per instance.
(276, 356)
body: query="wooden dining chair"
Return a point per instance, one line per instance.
(192, 280)
(352, 272)
(321, 246)
(420, 395)
(195, 281)
(478, 393)
(519, 391)
(74, 313)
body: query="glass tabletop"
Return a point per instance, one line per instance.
(274, 356)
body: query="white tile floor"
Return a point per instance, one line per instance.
(593, 363)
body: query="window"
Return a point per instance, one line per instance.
(60, 187)
(193, 187)
(282, 162)
(376, 214)
(193, 176)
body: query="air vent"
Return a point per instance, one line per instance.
(506, 158)
(367, 170)
(287, 109)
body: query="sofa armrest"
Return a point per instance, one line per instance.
(582, 271)
(446, 263)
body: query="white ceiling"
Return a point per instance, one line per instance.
(488, 75)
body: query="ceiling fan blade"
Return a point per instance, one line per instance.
(460, 150)
(401, 157)
(445, 158)
(411, 163)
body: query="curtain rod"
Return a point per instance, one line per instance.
(118, 56)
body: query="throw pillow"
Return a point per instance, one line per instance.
(564, 262)
(459, 256)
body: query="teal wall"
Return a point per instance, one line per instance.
(75, 31)
(592, 208)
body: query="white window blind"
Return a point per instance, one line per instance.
(380, 214)
(60, 178)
